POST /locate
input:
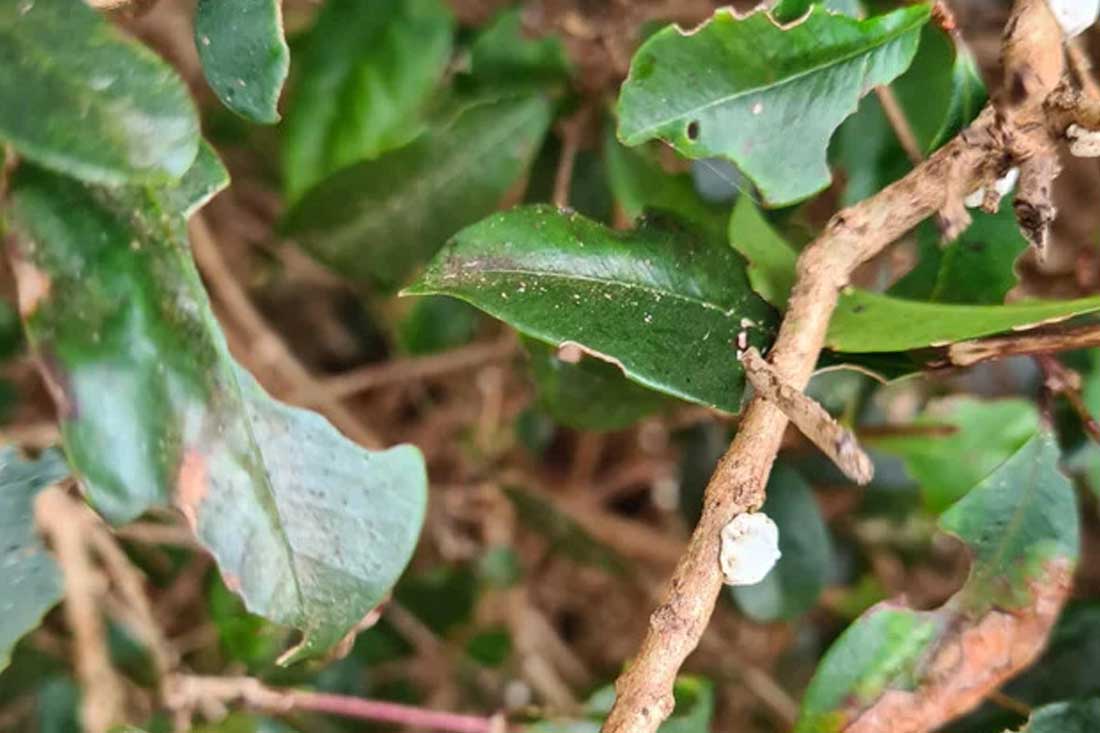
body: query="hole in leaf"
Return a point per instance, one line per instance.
(693, 130)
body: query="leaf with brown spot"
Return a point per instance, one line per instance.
(911, 671)
(155, 412)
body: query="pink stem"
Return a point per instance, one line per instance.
(390, 712)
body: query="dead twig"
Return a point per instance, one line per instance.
(1040, 341)
(1061, 380)
(996, 140)
(895, 115)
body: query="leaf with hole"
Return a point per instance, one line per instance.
(79, 97)
(664, 303)
(363, 75)
(379, 221)
(911, 671)
(309, 528)
(244, 55)
(28, 574)
(765, 96)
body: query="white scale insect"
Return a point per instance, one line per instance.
(750, 548)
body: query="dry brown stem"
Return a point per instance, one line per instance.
(977, 156)
(1040, 341)
(65, 523)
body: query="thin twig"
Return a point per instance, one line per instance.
(895, 115)
(400, 371)
(63, 521)
(265, 340)
(1061, 380)
(970, 161)
(1028, 343)
(191, 691)
(571, 132)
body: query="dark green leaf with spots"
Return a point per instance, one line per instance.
(378, 221)
(310, 529)
(28, 574)
(1021, 526)
(243, 53)
(764, 96)
(664, 303)
(78, 97)
(363, 75)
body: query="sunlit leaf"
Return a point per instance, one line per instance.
(310, 529)
(243, 54)
(78, 97)
(28, 574)
(765, 96)
(662, 303)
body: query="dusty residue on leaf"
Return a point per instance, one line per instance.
(975, 657)
(33, 284)
(191, 488)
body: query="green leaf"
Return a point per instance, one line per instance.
(867, 322)
(310, 529)
(364, 73)
(639, 183)
(437, 324)
(78, 97)
(1021, 526)
(244, 55)
(788, 11)
(203, 180)
(771, 259)
(978, 268)
(766, 97)
(29, 576)
(947, 465)
(590, 394)
(796, 582)
(503, 55)
(662, 303)
(379, 221)
(1082, 716)
(941, 93)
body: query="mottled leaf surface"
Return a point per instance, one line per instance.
(309, 528)
(590, 394)
(664, 303)
(765, 96)
(868, 322)
(243, 53)
(78, 97)
(908, 671)
(364, 73)
(28, 574)
(795, 583)
(380, 220)
(979, 436)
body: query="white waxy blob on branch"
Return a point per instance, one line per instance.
(750, 548)
(1075, 16)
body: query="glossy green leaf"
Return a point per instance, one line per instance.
(28, 574)
(795, 583)
(978, 268)
(663, 303)
(243, 53)
(941, 93)
(1021, 526)
(771, 259)
(503, 54)
(765, 96)
(868, 322)
(363, 74)
(1082, 716)
(590, 394)
(378, 221)
(639, 183)
(78, 97)
(310, 529)
(203, 180)
(947, 465)
(788, 11)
